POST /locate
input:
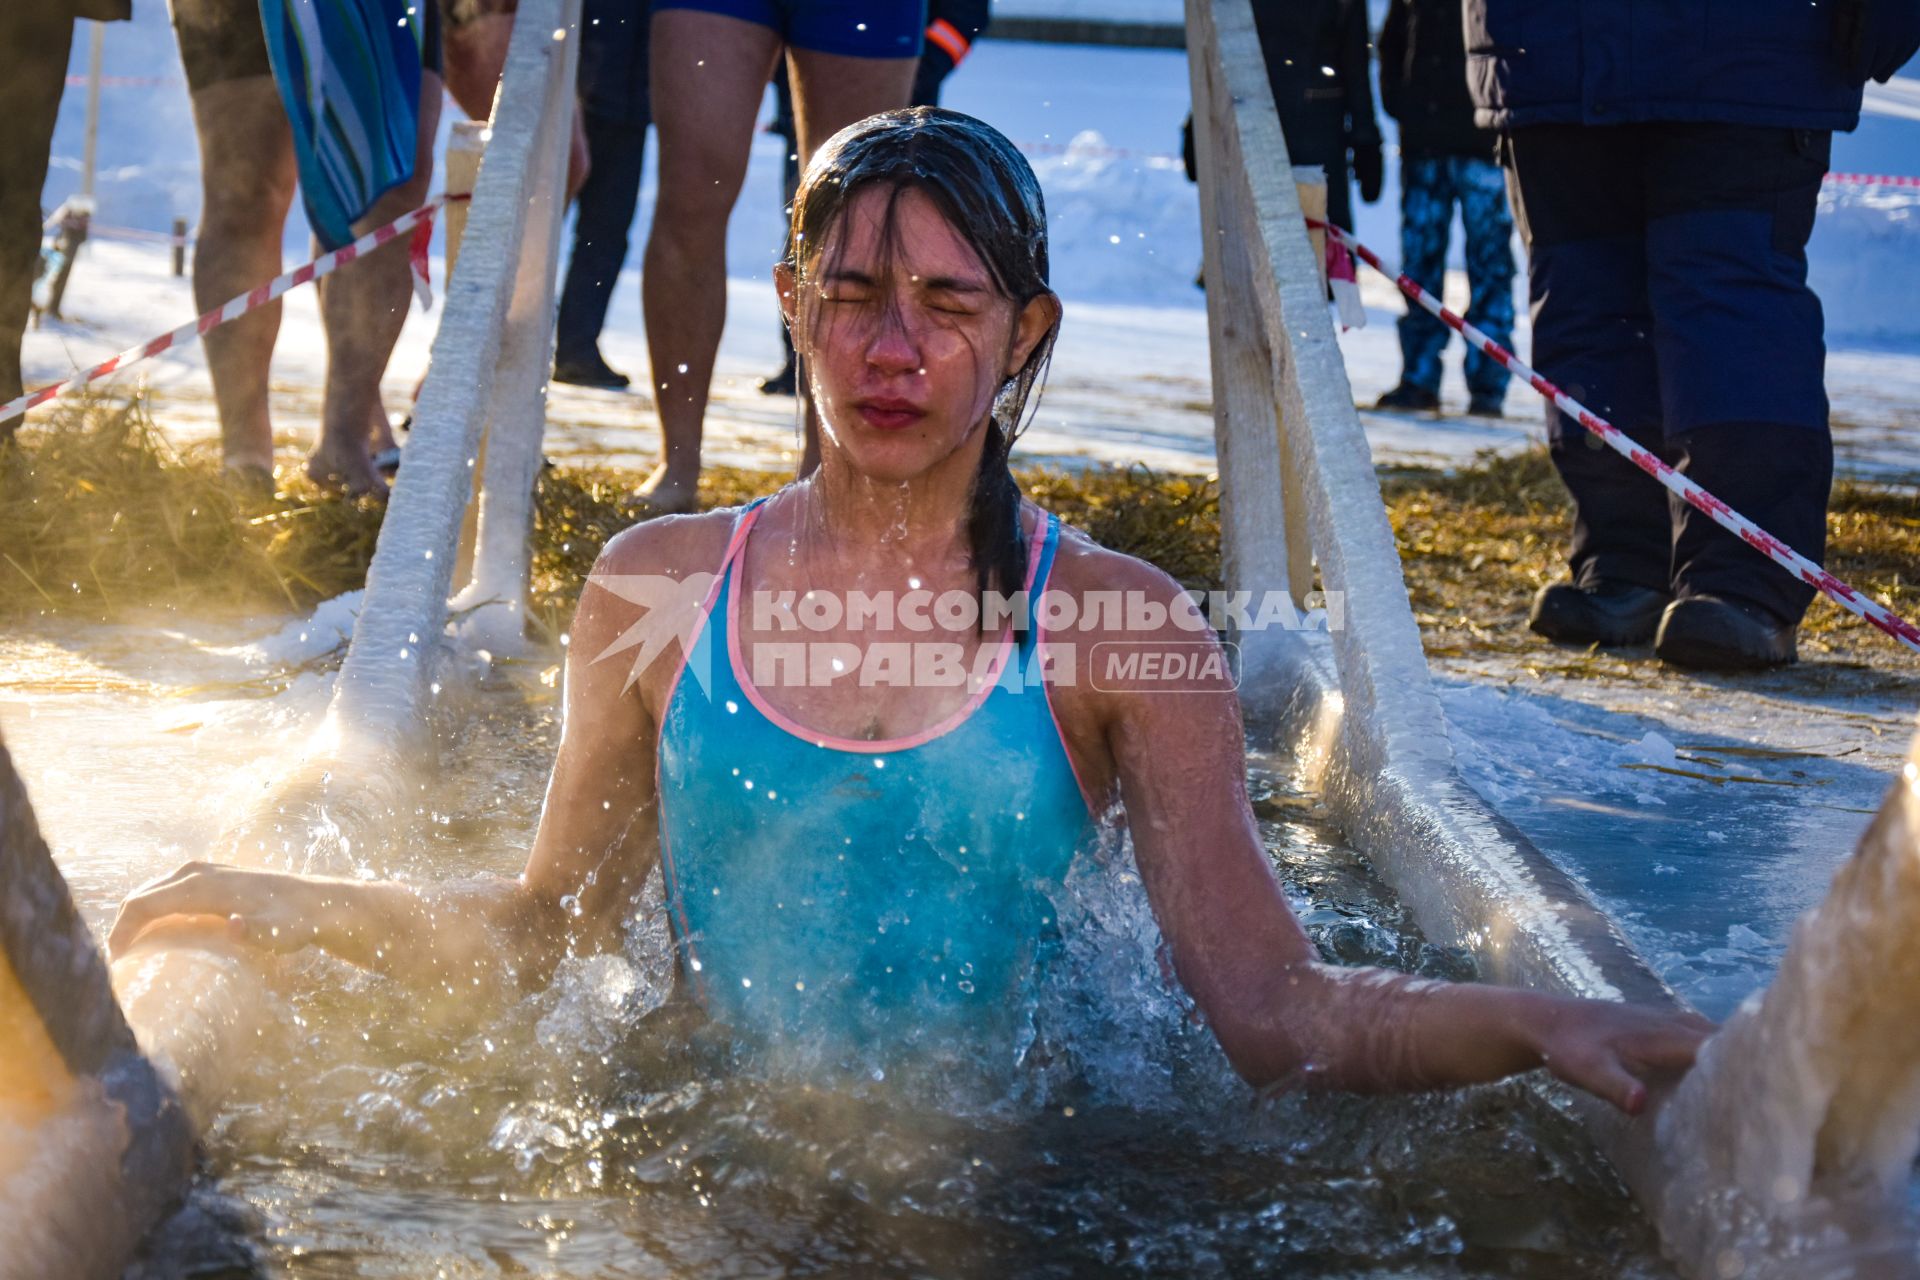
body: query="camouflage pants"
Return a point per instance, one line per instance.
(1430, 186)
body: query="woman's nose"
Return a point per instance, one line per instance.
(894, 348)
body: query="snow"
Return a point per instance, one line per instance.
(1867, 268)
(1702, 814)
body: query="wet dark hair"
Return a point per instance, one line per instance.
(984, 187)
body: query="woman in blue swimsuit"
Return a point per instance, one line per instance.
(863, 794)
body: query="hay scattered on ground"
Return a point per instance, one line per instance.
(100, 514)
(1476, 543)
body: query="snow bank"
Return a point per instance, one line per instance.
(1864, 262)
(1122, 225)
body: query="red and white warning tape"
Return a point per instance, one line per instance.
(1871, 180)
(419, 221)
(1753, 535)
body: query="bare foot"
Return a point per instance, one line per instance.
(349, 471)
(665, 494)
(248, 480)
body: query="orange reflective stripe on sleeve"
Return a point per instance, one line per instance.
(948, 37)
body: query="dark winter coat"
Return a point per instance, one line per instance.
(1423, 80)
(1317, 62)
(1789, 63)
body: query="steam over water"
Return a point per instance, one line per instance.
(598, 1128)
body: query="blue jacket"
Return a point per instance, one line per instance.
(1790, 63)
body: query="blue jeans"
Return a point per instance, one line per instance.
(1430, 186)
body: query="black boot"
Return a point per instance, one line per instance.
(1605, 613)
(1407, 398)
(1708, 633)
(590, 370)
(787, 381)
(783, 383)
(1487, 404)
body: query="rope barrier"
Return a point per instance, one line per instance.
(1848, 598)
(1871, 180)
(419, 221)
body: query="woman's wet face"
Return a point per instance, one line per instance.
(906, 336)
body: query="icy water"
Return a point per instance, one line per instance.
(595, 1129)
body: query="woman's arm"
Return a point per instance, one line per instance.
(596, 844)
(1285, 1018)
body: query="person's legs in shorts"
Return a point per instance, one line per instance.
(709, 71)
(247, 183)
(362, 309)
(34, 44)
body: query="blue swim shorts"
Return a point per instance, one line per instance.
(852, 28)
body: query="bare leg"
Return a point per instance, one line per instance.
(476, 55)
(476, 52)
(708, 74)
(830, 92)
(33, 66)
(247, 182)
(363, 308)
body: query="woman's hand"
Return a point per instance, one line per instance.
(1614, 1050)
(268, 909)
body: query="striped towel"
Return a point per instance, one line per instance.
(349, 73)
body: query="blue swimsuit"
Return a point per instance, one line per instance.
(833, 890)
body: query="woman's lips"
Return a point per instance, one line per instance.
(890, 415)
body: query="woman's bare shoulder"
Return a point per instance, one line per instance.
(1083, 567)
(674, 546)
